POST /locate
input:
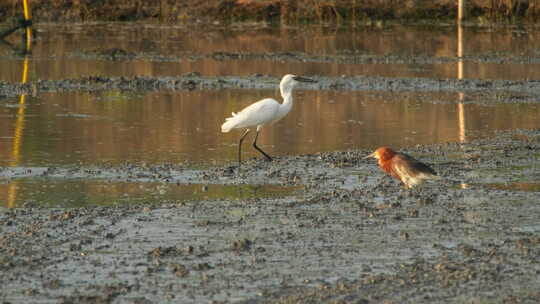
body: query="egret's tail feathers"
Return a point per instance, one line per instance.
(229, 124)
(233, 115)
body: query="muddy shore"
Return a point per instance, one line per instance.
(504, 90)
(349, 235)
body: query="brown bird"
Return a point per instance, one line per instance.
(408, 170)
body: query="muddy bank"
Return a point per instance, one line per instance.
(278, 11)
(348, 57)
(350, 234)
(193, 81)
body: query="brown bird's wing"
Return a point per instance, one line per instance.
(405, 165)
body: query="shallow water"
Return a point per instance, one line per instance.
(88, 193)
(114, 127)
(516, 186)
(68, 51)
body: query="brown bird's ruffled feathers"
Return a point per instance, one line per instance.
(408, 170)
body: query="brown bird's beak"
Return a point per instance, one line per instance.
(303, 79)
(374, 155)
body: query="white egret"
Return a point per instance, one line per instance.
(265, 111)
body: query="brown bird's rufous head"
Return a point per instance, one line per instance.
(383, 154)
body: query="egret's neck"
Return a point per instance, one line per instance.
(287, 96)
(287, 104)
(286, 92)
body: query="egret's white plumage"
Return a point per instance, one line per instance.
(257, 114)
(263, 112)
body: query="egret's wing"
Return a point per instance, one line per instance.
(259, 113)
(405, 165)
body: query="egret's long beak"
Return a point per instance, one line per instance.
(303, 79)
(374, 155)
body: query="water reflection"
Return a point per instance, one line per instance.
(516, 186)
(461, 95)
(85, 193)
(18, 134)
(114, 126)
(68, 51)
(21, 106)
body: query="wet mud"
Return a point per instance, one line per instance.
(512, 90)
(347, 234)
(345, 57)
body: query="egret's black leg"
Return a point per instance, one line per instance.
(240, 146)
(259, 149)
